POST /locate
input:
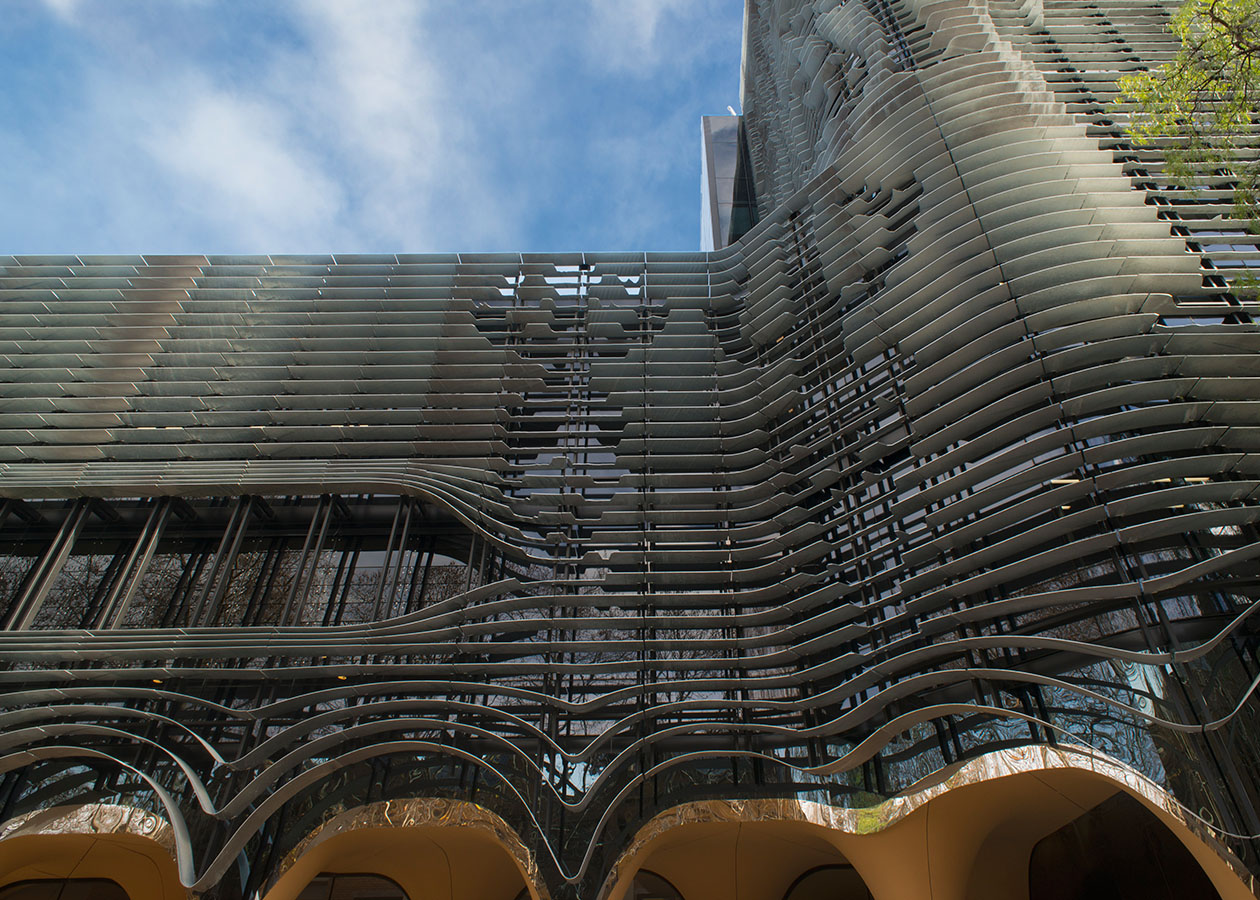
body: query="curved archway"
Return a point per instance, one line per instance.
(649, 886)
(329, 886)
(752, 860)
(1119, 850)
(64, 889)
(426, 862)
(1010, 834)
(827, 883)
(970, 836)
(140, 867)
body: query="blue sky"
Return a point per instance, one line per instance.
(276, 126)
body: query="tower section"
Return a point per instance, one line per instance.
(904, 546)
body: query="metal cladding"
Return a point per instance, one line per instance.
(957, 450)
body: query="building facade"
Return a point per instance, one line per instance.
(906, 546)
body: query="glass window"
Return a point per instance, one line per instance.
(829, 883)
(1118, 850)
(650, 886)
(327, 886)
(64, 889)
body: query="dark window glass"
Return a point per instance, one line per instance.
(64, 889)
(92, 889)
(829, 883)
(327, 886)
(650, 886)
(1119, 851)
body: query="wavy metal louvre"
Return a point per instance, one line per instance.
(955, 451)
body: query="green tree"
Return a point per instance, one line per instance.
(1204, 102)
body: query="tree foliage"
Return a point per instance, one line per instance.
(1204, 102)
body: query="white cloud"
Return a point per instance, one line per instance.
(376, 97)
(351, 125)
(63, 9)
(375, 77)
(339, 136)
(235, 160)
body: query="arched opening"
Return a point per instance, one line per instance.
(650, 886)
(1019, 837)
(827, 883)
(973, 838)
(64, 889)
(404, 863)
(330, 886)
(1120, 851)
(87, 867)
(748, 860)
